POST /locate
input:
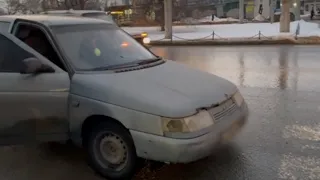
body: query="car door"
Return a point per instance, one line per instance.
(33, 107)
(4, 26)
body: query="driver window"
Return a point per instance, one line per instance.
(11, 56)
(36, 39)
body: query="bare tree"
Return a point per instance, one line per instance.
(159, 10)
(161, 15)
(146, 8)
(102, 4)
(69, 4)
(94, 5)
(32, 6)
(22, 7)
(76, 4)
(2, 11)
(12, 6)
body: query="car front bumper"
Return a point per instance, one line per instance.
(172, 150)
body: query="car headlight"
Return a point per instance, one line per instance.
(237, 97)
(146, 40)
(187, 125)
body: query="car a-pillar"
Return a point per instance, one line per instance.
(110, 148)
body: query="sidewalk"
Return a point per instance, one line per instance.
(227, 34)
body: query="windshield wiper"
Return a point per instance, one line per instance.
(127, 65)
(112, 67)
(147, 61)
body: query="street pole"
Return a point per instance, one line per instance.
(298, 7)
(241, 10)
(168, 19)
(285, 16)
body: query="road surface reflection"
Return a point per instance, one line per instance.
(282, 67)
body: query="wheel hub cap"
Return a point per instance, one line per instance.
(113, 150)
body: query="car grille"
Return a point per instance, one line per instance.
(226, 108)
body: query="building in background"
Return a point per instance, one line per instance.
(121, 10)
(221, 8)
(152, 10)
(307, 5)
(277, 8)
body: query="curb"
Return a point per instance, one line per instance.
(288, 41)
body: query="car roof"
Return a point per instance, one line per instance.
(53, 20)
(76, 12)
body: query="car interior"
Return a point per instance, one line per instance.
(36, 39)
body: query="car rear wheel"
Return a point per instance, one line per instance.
(111, 151)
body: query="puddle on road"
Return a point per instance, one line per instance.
(277, 67)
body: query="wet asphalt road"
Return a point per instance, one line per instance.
(281, 85)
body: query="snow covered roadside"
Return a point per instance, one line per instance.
(216, 19)
(228, 31)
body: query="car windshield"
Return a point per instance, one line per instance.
(100, 46)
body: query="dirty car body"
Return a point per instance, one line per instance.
(101, 94)
(140, 37)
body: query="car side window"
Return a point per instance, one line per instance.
(11, 55)
(36, 38)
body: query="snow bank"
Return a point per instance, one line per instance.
(216, 19)
(207, 19)
(305, 15)
(229, 30)
(259, 18)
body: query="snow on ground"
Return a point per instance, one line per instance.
(305, 15)
(190, 20)
(259, 17)
(216, 19)
(228, 30)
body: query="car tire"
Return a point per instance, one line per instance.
(111, 151)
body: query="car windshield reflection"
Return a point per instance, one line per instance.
(99, 45)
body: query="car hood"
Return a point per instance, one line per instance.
(170, 89)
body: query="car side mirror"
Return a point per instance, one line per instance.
(35, 66)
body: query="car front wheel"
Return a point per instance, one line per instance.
(111, 151)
